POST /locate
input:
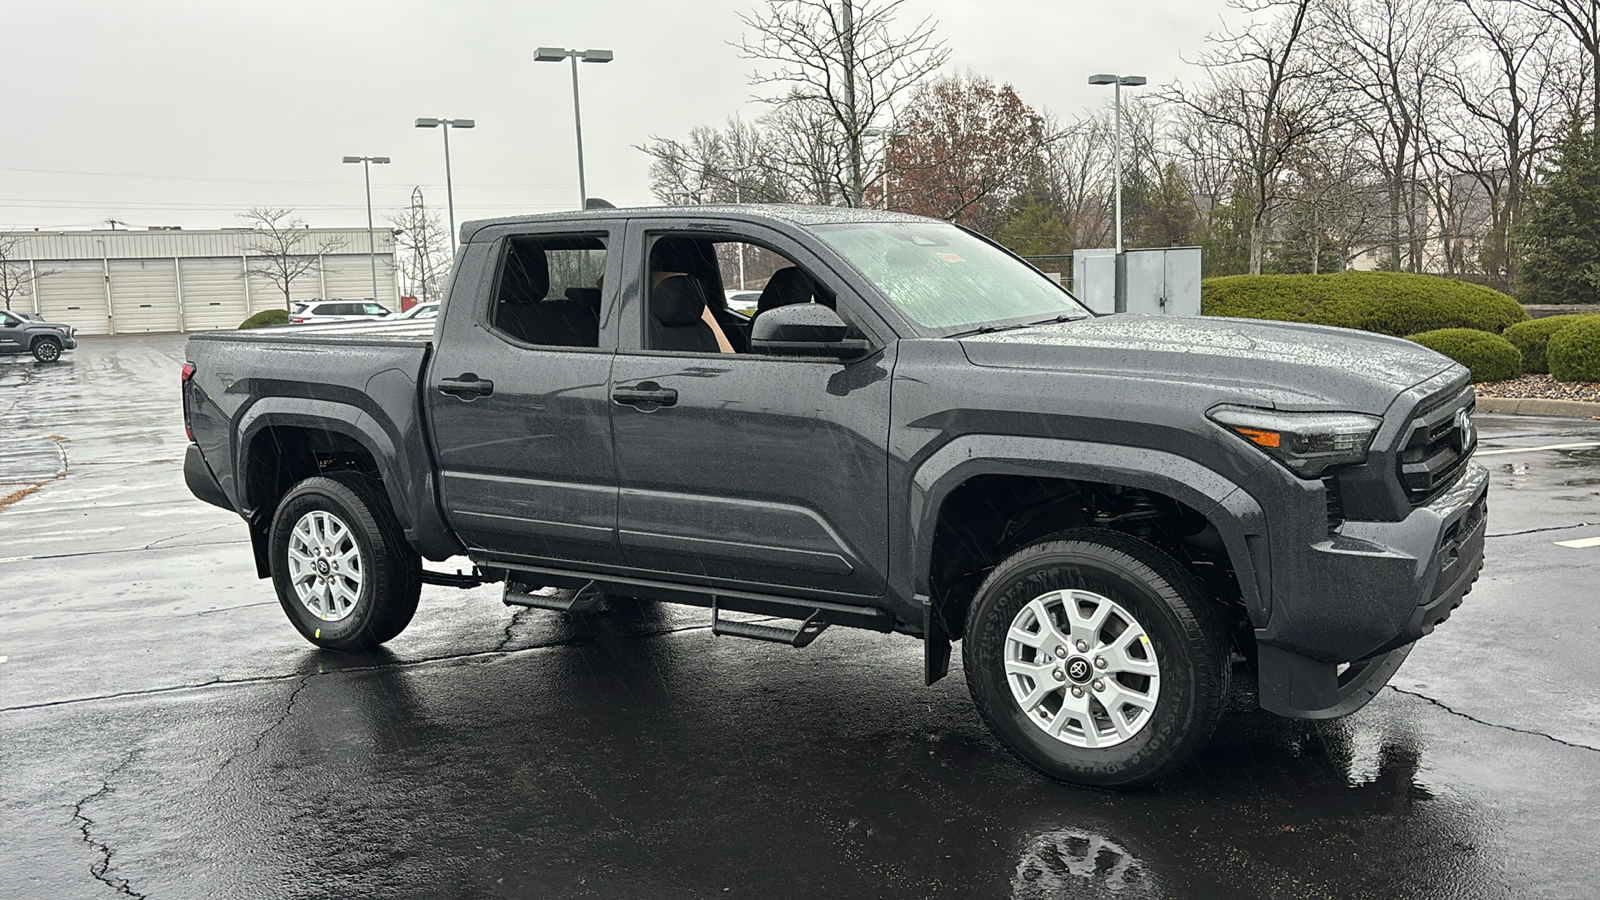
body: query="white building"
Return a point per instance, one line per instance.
(117, 282)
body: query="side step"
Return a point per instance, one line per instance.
(796, 637)
(580, 602)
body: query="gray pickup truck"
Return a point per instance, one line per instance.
(26, 334)
(916, 432)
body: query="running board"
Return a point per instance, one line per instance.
(797, 637)
(580, 602)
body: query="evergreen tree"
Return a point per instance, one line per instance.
(1558, 240)
(1035, 230)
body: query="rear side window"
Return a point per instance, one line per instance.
(549, 290)
(373, 309)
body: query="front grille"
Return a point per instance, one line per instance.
(1436, 447)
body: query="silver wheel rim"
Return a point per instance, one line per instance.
(325, 565)
(1082, 669)
(48, 351)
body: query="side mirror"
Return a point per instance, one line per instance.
(12, 323)
(804, 329)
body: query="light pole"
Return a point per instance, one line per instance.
(888, 134)
(1120, 81)
(449, 192)
(372, 245)
(557, 54)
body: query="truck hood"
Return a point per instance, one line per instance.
(1282, 364)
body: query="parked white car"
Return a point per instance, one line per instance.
(336, 311)
(429, 310)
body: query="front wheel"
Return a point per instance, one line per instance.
(340, 563)
(1095, 658)
(47, 349)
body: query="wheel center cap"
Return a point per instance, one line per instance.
(1079, 670)
(322, 567)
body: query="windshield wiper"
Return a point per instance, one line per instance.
(988, 329)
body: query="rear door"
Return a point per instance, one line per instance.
(763, 473)
(518, 390)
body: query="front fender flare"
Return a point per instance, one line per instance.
(1236, 515)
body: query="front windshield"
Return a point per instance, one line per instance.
(943, 278)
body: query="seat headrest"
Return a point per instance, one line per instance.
(785, 287)
(527, 274)
(677, 301)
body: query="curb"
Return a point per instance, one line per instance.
(1534, 406)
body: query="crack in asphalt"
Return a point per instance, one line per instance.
(272, 679)
(149, 549)
(1546, 528)
(516, 619)
(101, 868)
(288, 708)
(1475, 719)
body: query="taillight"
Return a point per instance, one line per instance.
(188, 373)
(297, 320)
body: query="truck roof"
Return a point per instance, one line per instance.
(787, 213)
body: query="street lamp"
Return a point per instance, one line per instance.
(557, 54)
(449, 193)
(1120, 81)
(372, 245)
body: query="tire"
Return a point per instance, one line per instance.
(353, 612)
(47, 349)
(1169, 687)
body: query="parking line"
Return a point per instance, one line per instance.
(1580, 543)
(1584, 446)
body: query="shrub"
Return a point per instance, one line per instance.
(1393, 303)
(1574, 351)
(1489, 356)
(266, 318)
(1532, 337)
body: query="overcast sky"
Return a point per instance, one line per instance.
(163, 112)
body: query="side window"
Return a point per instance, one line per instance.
(549, 289)
(7, 320)
(705, 292)
(373, 309)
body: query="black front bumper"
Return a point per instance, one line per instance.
(1370, 592)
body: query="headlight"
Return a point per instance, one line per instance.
(1307, 443)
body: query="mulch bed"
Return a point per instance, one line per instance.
(1541, 387)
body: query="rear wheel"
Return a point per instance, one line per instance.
(340, 563)
(47, 349)
(1094, 657)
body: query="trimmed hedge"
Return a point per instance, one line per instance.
(1489, 356)
(266, 318)
(1532, 337)
(1393, 303)
(1574, 351)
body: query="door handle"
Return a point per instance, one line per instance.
(466, 386)
(647, 396)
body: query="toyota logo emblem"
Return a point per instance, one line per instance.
(1466, 432)
(1078, 670)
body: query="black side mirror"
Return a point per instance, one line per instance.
(804, 329)
(12, 323)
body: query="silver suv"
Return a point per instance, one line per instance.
(336, 311)
(45, 340)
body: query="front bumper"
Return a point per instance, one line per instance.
(1363, 596)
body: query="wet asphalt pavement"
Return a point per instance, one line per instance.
(164, 732)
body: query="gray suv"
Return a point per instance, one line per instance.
(45, 340)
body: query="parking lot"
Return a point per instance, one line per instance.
(165, 733)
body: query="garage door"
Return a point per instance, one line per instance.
(213, 293)
(349, 277)
(75, 294)
(265, 294)
(144, 295)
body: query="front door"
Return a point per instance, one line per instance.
(754, 472)
(521, 409)
(11, 333)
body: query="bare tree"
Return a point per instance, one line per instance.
(17, 274)
(842, 69)
(1511, 87)
(422, 249)
(1264, 100)
(281, 249)
(736, 163)
(1581, 18)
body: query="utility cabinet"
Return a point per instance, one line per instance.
(1162, 281)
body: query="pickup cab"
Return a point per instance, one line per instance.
(915, 432)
